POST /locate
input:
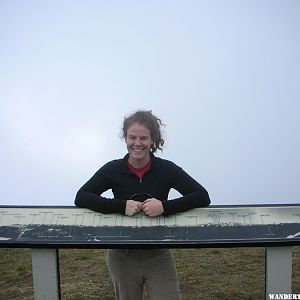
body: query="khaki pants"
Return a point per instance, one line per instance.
(131, 269)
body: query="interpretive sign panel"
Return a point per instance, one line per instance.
(210, 226)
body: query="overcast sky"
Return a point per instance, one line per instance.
(224, 76)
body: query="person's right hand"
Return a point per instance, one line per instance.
(133, 207)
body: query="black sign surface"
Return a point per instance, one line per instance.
(214, 226)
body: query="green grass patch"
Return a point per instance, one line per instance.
(222, 273)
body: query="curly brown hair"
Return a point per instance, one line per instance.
(150, 121)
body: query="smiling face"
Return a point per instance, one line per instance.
(138, 141)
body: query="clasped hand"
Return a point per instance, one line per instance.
(150, 207)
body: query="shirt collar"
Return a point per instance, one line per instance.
(155, 162)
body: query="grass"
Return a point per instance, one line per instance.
(220, 273)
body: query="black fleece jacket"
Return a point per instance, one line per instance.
(157, 182)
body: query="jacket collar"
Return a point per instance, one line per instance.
(155, 163)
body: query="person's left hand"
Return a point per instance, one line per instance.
(152, 207)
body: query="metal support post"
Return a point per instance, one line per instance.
(278, 270)
(45, 269)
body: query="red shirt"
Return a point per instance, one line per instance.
(140, 172)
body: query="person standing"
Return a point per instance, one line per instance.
(140, 183)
